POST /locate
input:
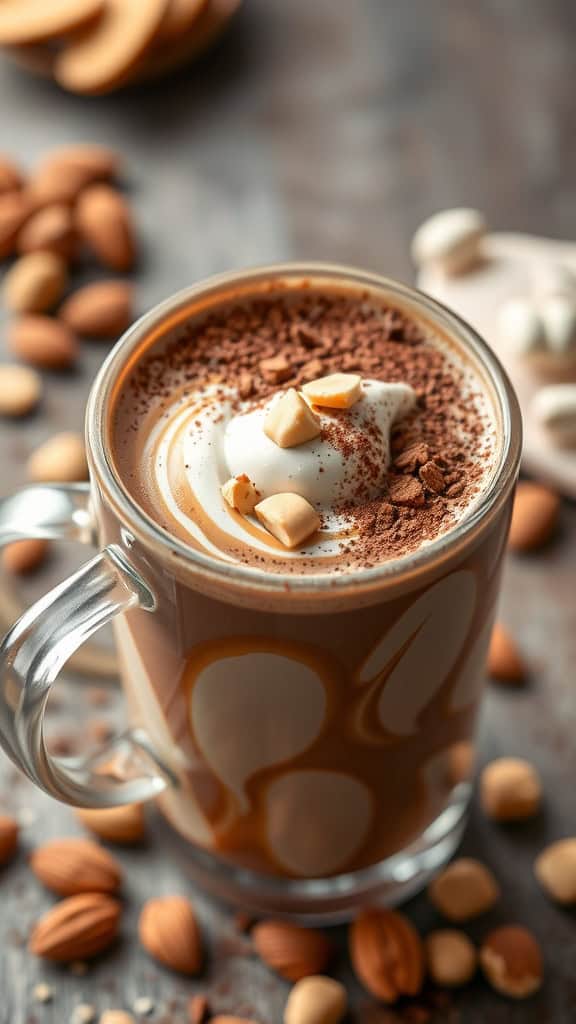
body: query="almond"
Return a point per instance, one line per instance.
(70, 866)
(387, 954)
(290, 950)
(534, 518)
(57, 182)
(43, 341)
(49, 230)
(169, 932)
(99, 163)
(20, 390)
(100, 310)
(10, 177)
(24, 556)
(62, 458)
(8, 838)
(104, 222)
(504, 661)
(116, 1017)
(123, 825)
(512, 961)
(35, 283)
(316, 1000)
(14, 209)
(77, 928)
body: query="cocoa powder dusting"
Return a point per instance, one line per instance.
(439, 450)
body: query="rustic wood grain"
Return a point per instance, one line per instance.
(326, 129)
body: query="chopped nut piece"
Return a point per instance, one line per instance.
(43, 993)
(336, 391)
(316, 1000)
(412, 457)
(451, 957)
(406, 491)
(510, 789)
(288, 517)
(116, 1017)
(512, 961)
(143, 1006)
(276, 369)
(290, 421)
(240, 493)
(432, 477)
(464, 889)
(84, 1013)
(555, 869)
(245, 385)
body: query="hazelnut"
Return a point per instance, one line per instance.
(555, 869)
(316, 1000)
(465, 889)
(512, 961)
(510, 789)
(451, 957)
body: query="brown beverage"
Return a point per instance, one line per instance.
(315, 694)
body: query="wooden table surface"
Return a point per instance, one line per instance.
(327, 129)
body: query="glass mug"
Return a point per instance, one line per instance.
(309, 740)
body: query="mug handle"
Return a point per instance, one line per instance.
(37, 647)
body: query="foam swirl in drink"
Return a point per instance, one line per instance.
(234, 447)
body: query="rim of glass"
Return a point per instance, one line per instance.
(151, 533)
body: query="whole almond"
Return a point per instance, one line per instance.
(14, 210)
(510, 789)
(57, 182)
(512, 961)
(169, 932)
(290, 950)
(24, 556)
(122, 825)
(387, 954)
(43, 341)
(20, 390)
(504, 661)
(555, 869)
(465, 889)
(77, 928)
(8, 838)
(100, 310)
(99, 163)
(49, 230)
(35, 283)
(10, 177)
(316, 1000)
(70, 866)
(534, 518)
(104, 222)
(62, 458)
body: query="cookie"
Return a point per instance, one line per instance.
(34, 21)
(179, 18)
(102, 56)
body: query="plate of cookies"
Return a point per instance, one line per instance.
(93, 47)
(519, 292)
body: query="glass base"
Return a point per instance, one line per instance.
(337, 899)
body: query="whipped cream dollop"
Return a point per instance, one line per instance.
(347, 462)
(194, 452)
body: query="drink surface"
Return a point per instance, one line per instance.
(395, 469)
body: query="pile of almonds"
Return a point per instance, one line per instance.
(66, 216)
(96, 46)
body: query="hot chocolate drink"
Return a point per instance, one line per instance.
(315, 455)
(386, 467)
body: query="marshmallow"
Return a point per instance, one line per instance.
(336, 391)
(521, 328)
(450, 240)
(554, 407)
(558, 313)
(239, 492)
(288, 517)
(290, 421)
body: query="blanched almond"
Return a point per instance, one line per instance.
(43, 341)
(100, 310)
(20, 390)
(316, 1000)
(24, 556)
(62, 458)
(104, 222)
(35, 283)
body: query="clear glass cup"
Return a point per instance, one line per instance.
(309, 740)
